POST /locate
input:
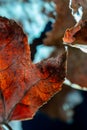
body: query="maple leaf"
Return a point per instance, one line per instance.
(24, 86)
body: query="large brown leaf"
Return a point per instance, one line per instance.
(24, 86)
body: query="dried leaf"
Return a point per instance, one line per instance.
(77, 67)
(24, 86)
(77, 36)
(75, 4)
(63, 20)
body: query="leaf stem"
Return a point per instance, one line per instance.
(6, 126)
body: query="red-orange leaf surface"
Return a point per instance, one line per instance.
(24, 86)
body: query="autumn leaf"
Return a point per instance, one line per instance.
(77, 36)
(76, 4)
(24, 86)
(77, 67)
(63, 20)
